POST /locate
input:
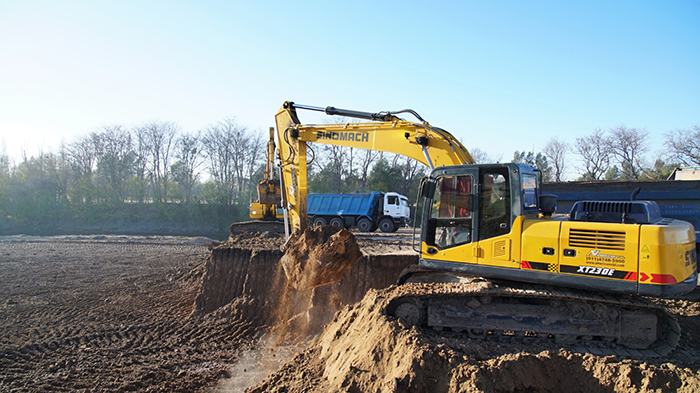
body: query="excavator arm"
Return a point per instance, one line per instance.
(385, 132)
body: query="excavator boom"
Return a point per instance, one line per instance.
(432, 146)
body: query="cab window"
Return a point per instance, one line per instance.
(451, 212)
(529, 190)
(494, 204)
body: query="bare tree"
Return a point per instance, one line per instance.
(58, 170)
(234, 153)
(139, 185)
(115, 161)
(628, 145)
(367, 160)
(684, 145)
(158, 138)
(82, 158)
(595, 153)
(480, 156)
(252, 151)
(218, 141)
(556, 150)
(185, 171)
(335, 163)
(411, 170)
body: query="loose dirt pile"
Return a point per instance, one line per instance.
(362, 350)
(244, 275)
(319, 256)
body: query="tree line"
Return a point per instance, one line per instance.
(620, 153)
(157, 171)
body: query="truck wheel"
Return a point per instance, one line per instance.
(337, 222)
(319, 221)
(364, 225)
(386, 225)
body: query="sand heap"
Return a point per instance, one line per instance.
(319, 256)
(363, 350)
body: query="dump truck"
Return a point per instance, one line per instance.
(386, 211)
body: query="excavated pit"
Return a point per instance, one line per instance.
(357, 348)
(246, 274)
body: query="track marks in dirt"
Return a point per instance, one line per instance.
(109, 315)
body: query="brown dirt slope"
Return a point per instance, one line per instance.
(245, 273)
(362, 350)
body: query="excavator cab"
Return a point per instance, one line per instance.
(490, 220)
(472, 203)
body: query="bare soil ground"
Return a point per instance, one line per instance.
(109, 313)
(113, 313)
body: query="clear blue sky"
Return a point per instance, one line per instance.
(501, 76)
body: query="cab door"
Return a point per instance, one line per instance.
(392, 207)
(494, 218)
(451, 220)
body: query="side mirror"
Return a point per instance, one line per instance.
(427, 187)
(548, 204)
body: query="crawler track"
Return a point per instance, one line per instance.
(600, 324)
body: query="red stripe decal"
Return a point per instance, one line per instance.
(663, 279)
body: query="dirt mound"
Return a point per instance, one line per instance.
(244, 277)
(363, 350)
(320, 256)
(256, 240)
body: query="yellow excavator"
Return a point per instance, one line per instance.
(267, 206)
(578, 279)
(265, 212)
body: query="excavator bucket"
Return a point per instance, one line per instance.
(269, 192)
(319, 256)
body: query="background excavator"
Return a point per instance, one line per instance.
(267, 206)
(266, 211)
(524, 274)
